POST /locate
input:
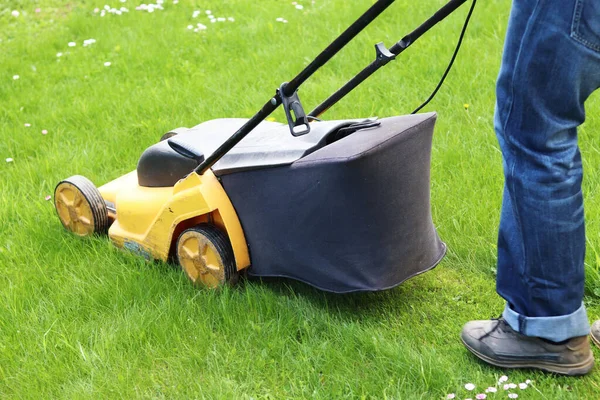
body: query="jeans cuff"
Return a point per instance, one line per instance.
(556, 329)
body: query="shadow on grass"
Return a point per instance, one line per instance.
(353, 305)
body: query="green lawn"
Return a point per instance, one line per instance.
(82, 319)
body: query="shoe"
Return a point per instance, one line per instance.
(595, 333)
(496, 343)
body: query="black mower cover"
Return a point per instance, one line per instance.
(353, 215)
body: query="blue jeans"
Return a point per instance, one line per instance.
(550, 66)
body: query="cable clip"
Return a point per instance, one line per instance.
(384, 56)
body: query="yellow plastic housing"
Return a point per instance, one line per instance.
(149, 220)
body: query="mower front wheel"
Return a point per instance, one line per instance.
(206, 256)
(80, 206)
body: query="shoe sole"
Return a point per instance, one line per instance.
(563, 369)
(596, 341)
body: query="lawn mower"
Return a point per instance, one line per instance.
(342, 205)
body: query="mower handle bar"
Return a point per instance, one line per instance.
(384, 56)
(289, 88)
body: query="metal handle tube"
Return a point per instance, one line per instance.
(264, 112)
(344, 90)
(412, 37)
(396, 49)
(290, 87)
(337, 44)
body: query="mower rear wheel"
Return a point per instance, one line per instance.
(206, 256)
(80, 206)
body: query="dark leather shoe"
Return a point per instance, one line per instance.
(496, 343)
(595, 333)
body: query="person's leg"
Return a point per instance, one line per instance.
(541, 240)
(546, 76)
(550, 66)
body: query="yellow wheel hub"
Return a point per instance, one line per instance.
(200, 259)
(74, 210)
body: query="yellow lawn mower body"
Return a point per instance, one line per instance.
(161, 223)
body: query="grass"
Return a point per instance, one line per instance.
(81, 319)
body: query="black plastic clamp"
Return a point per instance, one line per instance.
(384, 56)
(292, 105)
